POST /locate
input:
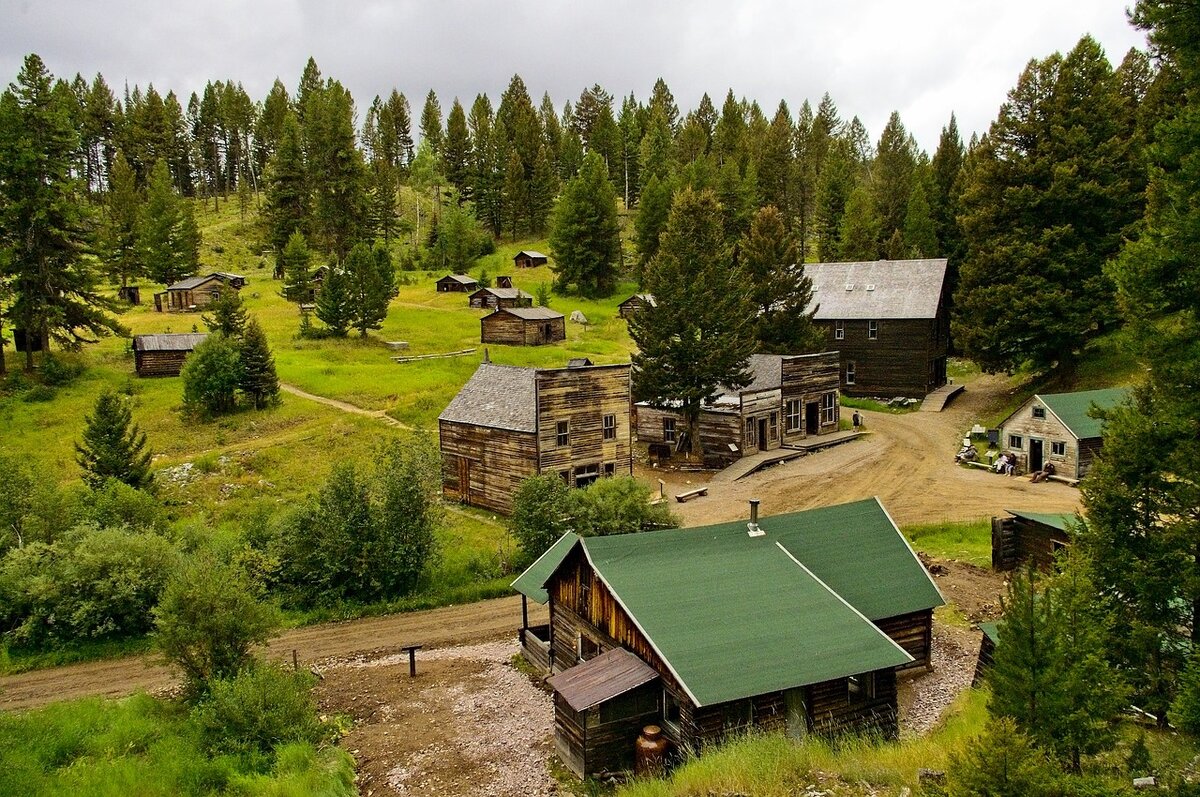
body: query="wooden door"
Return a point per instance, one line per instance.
(1036, 455)
(762, 434)
(464, 480)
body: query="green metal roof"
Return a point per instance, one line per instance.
(991, 631)
(1062, 521)
(1072, 408)
(532, 583)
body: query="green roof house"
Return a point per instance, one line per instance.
(796, 622)
(1058, 428)
(1030, 536)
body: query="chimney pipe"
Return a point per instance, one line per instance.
(752, 527)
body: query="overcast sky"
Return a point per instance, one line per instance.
(923, 58)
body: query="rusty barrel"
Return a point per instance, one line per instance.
(651, 751)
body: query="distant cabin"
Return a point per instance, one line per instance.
(194, 293)
(1056, 427)
(1036, 537)
(485, 298)
(163, 354)
(523, 326)
(457, 283)
(527, 258)
(630, 306)
(789, 398)
(504, 281)
(888, 320)
(796, 623)
(508, 423)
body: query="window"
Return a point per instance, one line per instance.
(773, 426)
(738, 714)
(670, 710)
(1058, 448)
(588, 648)
(1058, 545)
(872, 330)
(850, 373)
(563, 433)
(668, 430)
(1015, 441)
(585, 594)
(860, 688)
(610, 470)
(586, 474)
(610, 427)
(829, 408)
(751, 433)
(791, 417)
(565, 475)
(1039, 412)
(839, 330)
(638, 703)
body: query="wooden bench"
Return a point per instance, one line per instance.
(974, 463)
(1064, 479)
(690, 494)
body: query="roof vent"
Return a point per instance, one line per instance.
(752, 527)
(849, 286)
(871, 286)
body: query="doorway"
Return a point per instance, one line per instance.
(1036, 456)
(812, 418)
(762, 434)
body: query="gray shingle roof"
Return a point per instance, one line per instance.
(532, 313)
(530, 252)
(191, 282)
(877, 289)
(497, 396)
(462, 279)
(504, 293)
(648, 298)
(184, 341)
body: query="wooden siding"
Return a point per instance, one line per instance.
(589, 746)
(1049, 430)
(448, 285)
(535, 647)
(582, 397)
(513, 331)
(908, 358)
(832, 712)
(1016, 540)
(522, 260)
(159, 363)
(914, 633)
(482, 466)
(629, 308)
(198, 297)
(482, 300)
(1088, 449)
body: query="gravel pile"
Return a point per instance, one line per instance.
(955, 652)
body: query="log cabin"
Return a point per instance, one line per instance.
(1037, 537)
(628, 308)
(194, 293)
(527, 258)
(889, 321)
(485, 298)
(457, 283)
(789, 398)
(504, 281)
(1057, 427)
(795, 622)
(163, 354)
(508, 423)
(523, 326)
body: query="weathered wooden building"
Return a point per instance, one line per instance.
(163, 354)
(1057, 427)
(504, 281)
(523, 326)
(527, 258)
(790, 398)
(485, 298)
(509, 423)
(457, 283)
(794, 622)
(1030, 536)
(628, 308)
(195, 293)
(888, 320)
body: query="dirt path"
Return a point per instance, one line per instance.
(344, 406)
(452, 625)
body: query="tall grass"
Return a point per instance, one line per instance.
(966, 541)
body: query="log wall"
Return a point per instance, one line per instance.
(1016, 540)
(482, 466)
(914, 633)
(582, 397)
(159, 363)
(833, 713)
(510, 330)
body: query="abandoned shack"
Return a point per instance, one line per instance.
(504, 281)
(1058, 428)
(457, 283)
(790, 398)
(523, 326)
(889, 321)
(508, 423)
(1030, 536)
(194, 293)
(163, 354)
(485, 298)
(628, 308)
(527, 258)
(794, 622)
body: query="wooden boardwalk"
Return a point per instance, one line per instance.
(938, 399)
(751, 463)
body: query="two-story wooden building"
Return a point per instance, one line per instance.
(508, 423)
(889, 321)
(1057, 427)
(789, 398)
(794, 622)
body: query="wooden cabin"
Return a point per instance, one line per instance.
(1057, 427)
(1030, 536)
(790, 398)
(491, 298)
(794, 622)
(504, 281)
(527, 258)
(888, 319)
(457, 283)
(990, 635)
(508, 423)
(195, 293)
(163, 354)
(523, 326)
(628, 308)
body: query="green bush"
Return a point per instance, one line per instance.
(260, 708)
(118, 504)
(59, 371)
(37, 394)
(210, 377)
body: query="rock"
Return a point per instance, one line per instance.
(1145, 783)
(578, 317)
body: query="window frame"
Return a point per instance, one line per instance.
(839, 330)
(670, 432)
(793, 415)
(829, 413)
(851, 372)
(1016, 441)
(609, 423)
(872, 330)
(773, 426)
(1038, 412)
(592, 647)
(860, 688)
(562, 433)
(1058, 448)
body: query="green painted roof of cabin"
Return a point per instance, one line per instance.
(991, 631)
(1061, 521)
(532, 583)
(1072, 408)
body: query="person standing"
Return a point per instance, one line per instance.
(857, 419)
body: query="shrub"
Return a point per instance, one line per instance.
(38, 394)
(260, 708)
(1185, 710)
(210, 377)
(113, 446)
(1001, 763)
(541, 513)
(117, 504)
(60, 371)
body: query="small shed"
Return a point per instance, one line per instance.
(457, 283)
(527, 258)
(987, 650)
(163, 354)
(1032, 536)
(504, 281)
(1058, 428)
(523, 326)
(485, 298)
(630, 306)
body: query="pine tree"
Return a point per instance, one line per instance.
(168, 248)
(457, 151)
(739, 198)
(288, 199)
(839, 174)
(257, 379)
(585, 233)
(431, 124)
(653, 210)
(296, 262)
(858, 238)
(699, 335)
(334, 305)
(776, 162)
(516, 195)
(371, 279)
(769, 257)
(113, 446)
(119, 235)
(920, 235)
(337, 174)
(892, 176)
(229, 317)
